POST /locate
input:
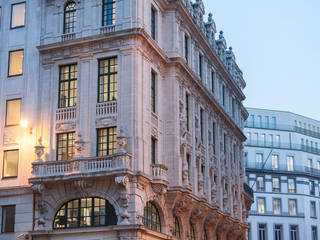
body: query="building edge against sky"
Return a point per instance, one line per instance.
(120, 119)
(283, 168)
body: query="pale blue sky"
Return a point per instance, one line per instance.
(277, 46)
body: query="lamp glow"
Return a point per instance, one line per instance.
(24, 123)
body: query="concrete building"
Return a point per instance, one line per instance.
(283, 167)
(120, 119)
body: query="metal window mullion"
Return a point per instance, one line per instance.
(108, 142)
(108, 74)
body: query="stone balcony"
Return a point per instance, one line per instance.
(82, 167)
(159, 173)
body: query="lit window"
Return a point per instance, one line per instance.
(15, 63)
(8, 219)
(275, 161)
(290, 163)
(261, 206)
(13, 111)
(106, 141)
(276, 206)
(108, 12)
(291, 185)
(85, 212)
(69, 18)
(65, 146)
(153, 92)
(10, 163)
(18, 13)
(108, 80)
(275, 184)
(176, 228)
(151, 217)
(292, 207)
(68, 86)
(313, 209)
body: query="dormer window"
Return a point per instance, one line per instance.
(69, 18)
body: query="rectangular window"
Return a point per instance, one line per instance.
(275, 184)
(153, 150)
(187, 112)
(292, 207)
(293, 232)
(153, 23)
(10, 163)
(18, 15)
(259, 160)
(153, 92)
(276, 205)
(290, 163)
(312, 188)
(106, 141)
(266, 119)
(278, 140)
(251, 121)
(275, 161)
(233, 108)
(309, 164)
(291, 185)
(262, 232)
(223, 95)
(200, 66)
(260, 184)
(274, 122)
(212, 81)
(68, 86)
(314, 233)
(259, 121)
(224, 143)
(186, 48)
(108, 79)
(313, 209)
(8, 219)
(277, 232)
(108, 12)
(13, 111)
(214, 137)
(201, 124)
(15, 63)
(65, 146)
(188, 162)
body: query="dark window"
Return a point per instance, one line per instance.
(18, 15)
(312, 188)
(224, 143)
(85, 212)
(153, 150)
(188, 162)
(176, 228)
(108, 12)
(65, 146)
(69, 18)
(106, 141)
(314, 233)
(10, 163)
(212, 81)
(233, 108)
(13, 110)
(8, 219)
(68, 86)
(277, 232)
(262, 232)
(192, 232)
(15, 63)
(200, 66)
(186, 48)
(151, 217)
(108, 80)
(153, 23)
(201, 124)
(223, 95)
(153, 92)
(187, 112)
(214, 137)
(293, 232)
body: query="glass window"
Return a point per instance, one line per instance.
(259, 121)
(293, 232)
(260, 184)
(186, 48)
(290, 163)
(292, 207)
(187, 112)
(153, 150)
(15, 63)
(275, 161)
(68, 86)
(274, 122)
(277, 232)
(176, 228)
(65, 146)
(266, 121)
(108, 12)
(223, 95)
(13, 111)
(106, 141)
(151, 217)
(262, 232)
(200, 66)
(261, 207)
(108, 79)
(312, 187)
(276, 205)
(8, 219)
(309, 164)
(153, 23)
(201, 124)
(314, 233)
(275, 184)
(259, 160)
(153, 92)
(313, 209)
(212, 81)
(278, 140)
(85, 212)
(18, 14)
(69, 18)
(251, 121)
(291, 185)
(10, 163)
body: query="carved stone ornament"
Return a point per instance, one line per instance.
(181, 206)
(79, 145)
(122, 180)
(38, 188)
(159, 189)
(106, 121)
(65, 126)
(39, 150)
(121, 141)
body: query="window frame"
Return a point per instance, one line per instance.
(4, 159)
(67, 30)
(67, 147)
(273, 205)
(280, 231)
(186, 48)
(107, 143)
(2, 218)
(296, 231)
(25, 10)
(315, 209)
(294, 184)
(6, 114)
(104, 18)
(296, 206)
(263, 181)
(9, 58)
(273, 188)
(147, 219)
(69, 80)
(176, 232)
(153, 18)
(153, 88)
(153, 150)
(265, 229)
(264, 205)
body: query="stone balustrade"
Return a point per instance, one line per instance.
(106, 108)
(159, 172)
(66, 114)
(68, 36)
(107, 29)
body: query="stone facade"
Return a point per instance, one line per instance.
(196, 124)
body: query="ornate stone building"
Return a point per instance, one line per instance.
(121, 119)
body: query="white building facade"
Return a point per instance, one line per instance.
(120, 119)
(283, 168)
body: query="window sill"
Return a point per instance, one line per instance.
(16, 27)
(16, 75)
(9, 178)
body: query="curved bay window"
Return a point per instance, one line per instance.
(192, 232)
(151, 217)
(176, 227)
(85, 212)
(69, 19)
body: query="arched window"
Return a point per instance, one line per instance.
(151, 217)
(69, 20)
(176, 227)
(192, 232)
(85, 212)
(108, 12)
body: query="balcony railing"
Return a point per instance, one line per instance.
(106, 108)
(248, 190)
(68, 36)
(107, 29)
(81, 166)
(66, 114)
(159, 172)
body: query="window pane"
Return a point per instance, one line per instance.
(68, 86)
(13, 112)
(65, 146)
(108, 12)
(10, 164)
(69, 18)
(8, 219)
(106, 141)
(107, 80)
(15, 62)
(18, 15)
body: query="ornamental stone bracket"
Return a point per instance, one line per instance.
(123, 183)
(224, 227)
